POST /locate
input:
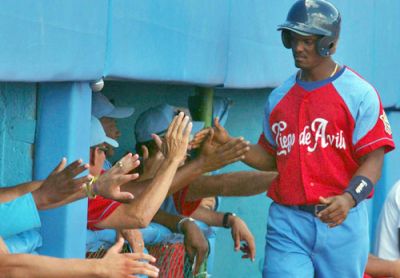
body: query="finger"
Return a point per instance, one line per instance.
(145, 152)
(335, 224)
(210, 136)
(122, 196)
(73, 172)
(72, 166)
(217, 124)
(326, 201)
(252, 248)
(126, 178)
(181, 127)
(60, 166)
(197, 264)
(117, 247)
(146, 269)
(202, 133)
(141, 256)
(236, 242)
(173, 127)
(188, 130)
(80, 181)
(333, 207)
(158, 141)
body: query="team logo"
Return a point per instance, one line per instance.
(385, 121)
(312, 136)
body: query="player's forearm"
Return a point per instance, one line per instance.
(149, 201)
(259, 159)
(186, 175)
(210, 217)
(231, 184)
(23, 265)
(371, 165)
(377, 267)
(168, 220)
(8, 194)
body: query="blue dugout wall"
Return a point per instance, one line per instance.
(208, 43)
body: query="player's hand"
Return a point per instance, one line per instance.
(116, 265)
(220, 137)
(196, 244)
(240, 232)
(150, 164)
(109, 184)
(174, 144)
(213, 156)
(337, 209)
(134, 238)
(60, 184)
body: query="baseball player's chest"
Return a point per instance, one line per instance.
(311, 122)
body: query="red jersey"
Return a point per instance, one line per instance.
(318, 135)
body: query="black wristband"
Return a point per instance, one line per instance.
(359, 188)
(225, 220)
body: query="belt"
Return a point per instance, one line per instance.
(312, 209)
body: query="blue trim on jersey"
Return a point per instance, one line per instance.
(310, 86)
(361, 99)
(273, 99)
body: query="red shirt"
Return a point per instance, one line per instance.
(318, 136)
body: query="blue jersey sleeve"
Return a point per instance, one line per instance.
(18, 215)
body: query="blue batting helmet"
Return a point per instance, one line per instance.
(313, 17)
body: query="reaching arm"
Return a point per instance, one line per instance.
(377, 267)
(113, 265)
(256, 156)
(60, 185)
(139, 212)
(211, 157)
(8, 194)
(231, 184)
(260, 159)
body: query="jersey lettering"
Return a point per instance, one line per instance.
(312, 136)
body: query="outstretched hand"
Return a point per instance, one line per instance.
(215, 156)
(60, 184)
(116, 265)
(220, 136)
(175, 142)
(109, 184)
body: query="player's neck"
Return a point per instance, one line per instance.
(320, 72)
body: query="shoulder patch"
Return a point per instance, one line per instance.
(385, 121)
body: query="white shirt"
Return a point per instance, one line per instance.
(387, 232)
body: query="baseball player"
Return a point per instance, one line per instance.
(326, 133)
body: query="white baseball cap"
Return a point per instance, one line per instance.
(102, 107)
(156, 120)
(98, 135)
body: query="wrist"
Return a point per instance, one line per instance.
(228, 220)
(172, 160)
(40, 199)
(360, 187)
(182, 225)
(349, 199)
